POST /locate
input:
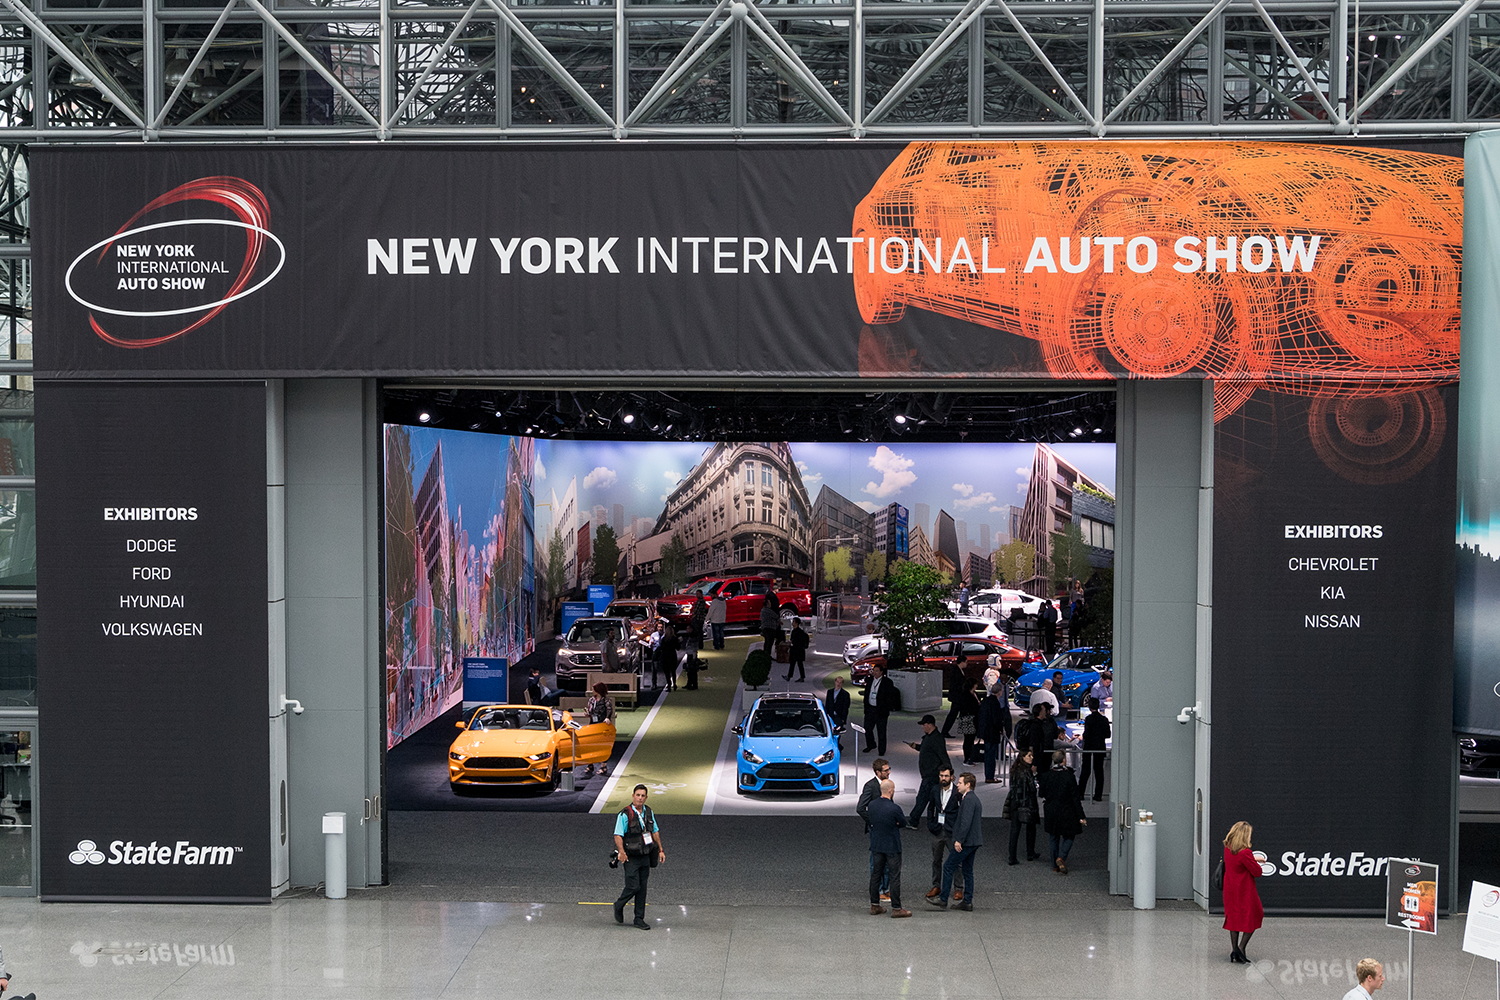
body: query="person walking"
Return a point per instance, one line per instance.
(932, 757)
(1022, 803)
(770, 623)
(653, 649)
(968, 837)
(836, 704)
(639, 849)
(1371, 976)
(880, 700)
(886, 820)
(994, 729)
(1096, 730)
(666, 655)
(963, 599)
(955, 683)
(797, 651)
(697, 622)
(1065, 819)
(1048, 618)
(718, 614)
(1243, 913)
(867, 796)
(968, 720)
(941, 813)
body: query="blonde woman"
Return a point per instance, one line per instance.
(1242, 909)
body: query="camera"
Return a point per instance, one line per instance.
(614, 858)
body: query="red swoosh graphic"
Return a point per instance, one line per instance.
(248, 204)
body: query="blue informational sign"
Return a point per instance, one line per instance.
(574, 610)
(600, 596)
(486, 681)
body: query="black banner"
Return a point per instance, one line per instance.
(152, 652)
(1333, 640)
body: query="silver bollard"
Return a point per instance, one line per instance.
(1145, 861)
(335, 856)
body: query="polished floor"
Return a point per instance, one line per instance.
(370, 948)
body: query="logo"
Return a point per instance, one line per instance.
(1492, 897)
(88, 853)
(156, 276)
(1412, 871)
(1497, 690)
(1356, 863)
(1266, 868)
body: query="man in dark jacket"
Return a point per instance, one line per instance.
(881, 699)
(1048, 618)
(770, 623)
(797, 651)
(836, 703)
(956, 680)
(994, 728)
(1095, 733)
(932, 757)
(968, 837)
(886, 821)
(941, 814)
(867, 796)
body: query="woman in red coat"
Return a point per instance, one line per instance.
(1242, 909)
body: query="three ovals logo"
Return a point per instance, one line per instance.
(177, 263)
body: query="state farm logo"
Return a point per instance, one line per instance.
(1266, 868)
(88, 853)
(154, 281)
(128, 852)
(1356, 863)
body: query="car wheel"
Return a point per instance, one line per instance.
(556, 779)
(459, 790)
(739, 789)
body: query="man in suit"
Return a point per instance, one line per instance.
(942, 811)
(886, 821)
(797, 651)
(880, 701)
(1095, 733)
(867, 796)
(1048, 618)
(836, 703)
(967, 838)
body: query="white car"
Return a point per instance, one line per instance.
(998, 603)
(959, 625)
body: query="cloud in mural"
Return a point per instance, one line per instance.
(999, 510)
(1022, 487)
(963, 489)
(809, 478)
(600, 477)
(868, 506)
(977, 500)
(1023, 472)
(541, 470)
(672, 476)
(895, 472)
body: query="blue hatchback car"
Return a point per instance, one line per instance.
(1080, 668)
(788, 744)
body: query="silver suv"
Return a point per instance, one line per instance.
(579, 652)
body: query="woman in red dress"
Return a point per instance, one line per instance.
(1242, 909)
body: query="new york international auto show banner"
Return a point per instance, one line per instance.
(151, 673)
(1332, 635)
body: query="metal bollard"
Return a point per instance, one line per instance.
(335, 856)
(1145, 861)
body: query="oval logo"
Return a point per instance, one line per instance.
(1413, 871)
(154, 281)
(1497, 689)
(1492, 897)
(1266, 868)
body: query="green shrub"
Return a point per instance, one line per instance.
(757, 668)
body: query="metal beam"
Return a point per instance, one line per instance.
(432, 64)
(1413, 56)
(309, 58)
(109, 89)
(928, 60)
(192, 68)
(1296, 60)
(792, 63)
(704, 38)
(1161, 67)
(1041, 56)
(549, 62)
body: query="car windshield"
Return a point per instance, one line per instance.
(635, 612)
(593, 632)
(788, 720)
(706, 588)
(512, 718)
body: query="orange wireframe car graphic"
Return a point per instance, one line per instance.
(1314, 270)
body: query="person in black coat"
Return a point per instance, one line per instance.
(1065, 819)
(886, 820)
(836, 703)
(932, 757)
(1023, 806)
(881, 699)
(666, 656)
(994, 719)
(967, 704)
(796, 658)
(1096, 730)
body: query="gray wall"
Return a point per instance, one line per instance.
(1159, 532)
(333, 653)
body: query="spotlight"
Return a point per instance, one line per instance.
(1098, 430)
(498, 413)
(628, 418)
(900, 418)
(424, 416)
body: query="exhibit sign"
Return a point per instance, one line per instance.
(1331, 535)
(574, 610)
(1476, 682)
(1411, 895)
(152, 665)
(1482, 924)
(600, 596)
(1317, 268)
(486, 681)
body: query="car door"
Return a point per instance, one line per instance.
(596, 740)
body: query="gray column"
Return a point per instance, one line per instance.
(1161, 428)
(332, 625)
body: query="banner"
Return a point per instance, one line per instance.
(1476, 681)
(1331, 639)
(152, 653)
(1309, 268)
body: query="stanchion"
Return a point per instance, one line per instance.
(1411, 973)
(1145, 861)
(335, 856)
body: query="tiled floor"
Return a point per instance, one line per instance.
(365, 948)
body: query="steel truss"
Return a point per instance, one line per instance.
(487, 69)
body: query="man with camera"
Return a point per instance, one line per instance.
(638, 847)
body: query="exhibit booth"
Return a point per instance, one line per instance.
(224, 327)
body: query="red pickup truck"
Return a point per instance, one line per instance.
(744, 596)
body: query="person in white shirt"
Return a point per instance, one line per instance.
(1044, 695)
(1371, 976)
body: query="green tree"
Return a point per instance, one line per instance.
(757, 668)
(1016, 561)
(672, 574)
(875, 566)
(914, 593)
(1070, 556)
(555, 572)
(606, 555)
(838, 569)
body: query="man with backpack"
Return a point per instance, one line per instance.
(638, 848)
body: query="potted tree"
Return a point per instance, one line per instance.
(914, 594)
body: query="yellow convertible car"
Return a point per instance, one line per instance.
(524, 745)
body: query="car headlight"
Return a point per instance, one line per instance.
(455, 755)
(824, 758)
(751, 757)
(622, 650)
(539, 756)
(1072, 687)
(565, 655)
(1468, 743)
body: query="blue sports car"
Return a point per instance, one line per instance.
(788, 744)
(1080, 668)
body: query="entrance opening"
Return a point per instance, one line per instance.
(541, 544)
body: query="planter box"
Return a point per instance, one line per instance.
(921, 690)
